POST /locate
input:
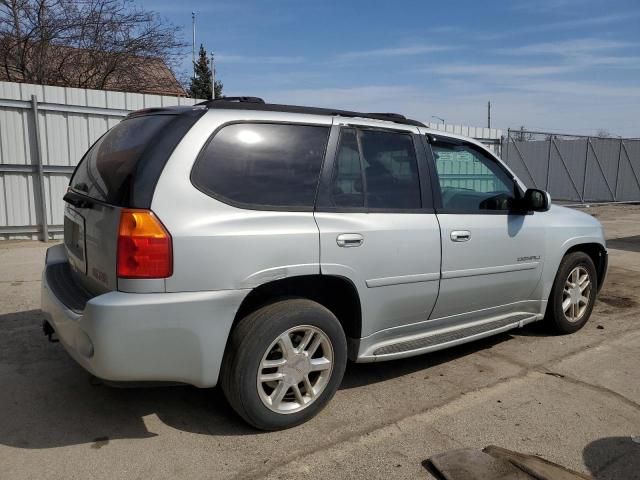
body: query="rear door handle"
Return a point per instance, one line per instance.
(348, 240)
(460, 236)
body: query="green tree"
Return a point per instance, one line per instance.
(201, 83)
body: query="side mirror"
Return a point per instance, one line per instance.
(536, 200)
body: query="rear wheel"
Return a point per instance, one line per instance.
(573, 294)
(283, 364)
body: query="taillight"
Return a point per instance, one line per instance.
(144, 246)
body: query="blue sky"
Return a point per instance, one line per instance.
(565, 65)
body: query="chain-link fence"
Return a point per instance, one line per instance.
(576, 168)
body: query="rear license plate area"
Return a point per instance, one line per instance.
(74, 239)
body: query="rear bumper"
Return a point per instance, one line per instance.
(173, 337)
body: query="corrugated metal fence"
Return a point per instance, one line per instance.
(38, 157)
(576, 168)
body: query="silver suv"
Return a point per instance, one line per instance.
(260, 246)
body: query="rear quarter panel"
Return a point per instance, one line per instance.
(218, 246)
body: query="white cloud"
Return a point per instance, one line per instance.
(587, 21)
(564, 25)
(570, 56)
(270, 60)
(548, 5)
(447, 29)
(365, 98)
(580, 89)
(501, 70)
(571, 107)
(567, 47)
(394, 52)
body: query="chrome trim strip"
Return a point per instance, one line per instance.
(472, 272)
(403, 279)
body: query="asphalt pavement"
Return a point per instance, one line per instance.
(573, 399)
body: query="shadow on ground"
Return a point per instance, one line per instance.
(629, 244)
(47, 400)
(613, 458)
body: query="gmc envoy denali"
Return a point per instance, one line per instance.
(259, 246)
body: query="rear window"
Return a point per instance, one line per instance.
(263, 165)
(108, 170)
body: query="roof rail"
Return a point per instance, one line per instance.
(256, 103)
(233, 99)
(393, 116)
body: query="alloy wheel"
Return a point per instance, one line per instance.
(295, 369)
(576, 294)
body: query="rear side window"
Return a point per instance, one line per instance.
(391, 170)
(380, 171)
(347, 185)
(263, 165)
(108, 170)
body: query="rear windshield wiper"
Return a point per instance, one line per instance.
(77, 200)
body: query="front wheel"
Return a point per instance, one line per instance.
(573, 295)
(283, 363)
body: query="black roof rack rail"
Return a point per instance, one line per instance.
(395, 116)
(256, 103)
(172, 110)
(233, 99)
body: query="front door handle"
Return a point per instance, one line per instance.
(460, 236)
(347, 240)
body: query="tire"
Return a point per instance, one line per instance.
(558, 318)
(259, 339)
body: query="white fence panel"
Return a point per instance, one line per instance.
(69, 120)
(491, 137)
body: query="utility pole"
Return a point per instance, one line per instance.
(213, 78)
(193, 42)
(489, 114)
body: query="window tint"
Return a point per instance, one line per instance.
(273, 165)
(390, 167)
(391, 170)
(470, 180)
(108, 169)
(347, 188)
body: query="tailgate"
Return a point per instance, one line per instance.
(90, 238)
(119, 171)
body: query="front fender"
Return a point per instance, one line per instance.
(556, 255)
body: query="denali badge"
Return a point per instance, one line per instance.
(526, 259)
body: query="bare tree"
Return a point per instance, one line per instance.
(603, 133)
(103, 44)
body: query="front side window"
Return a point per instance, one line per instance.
(261, 164)
(470, 180)
(377, 170)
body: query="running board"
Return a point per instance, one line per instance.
(448, 338)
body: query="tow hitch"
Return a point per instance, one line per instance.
(49, 332)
